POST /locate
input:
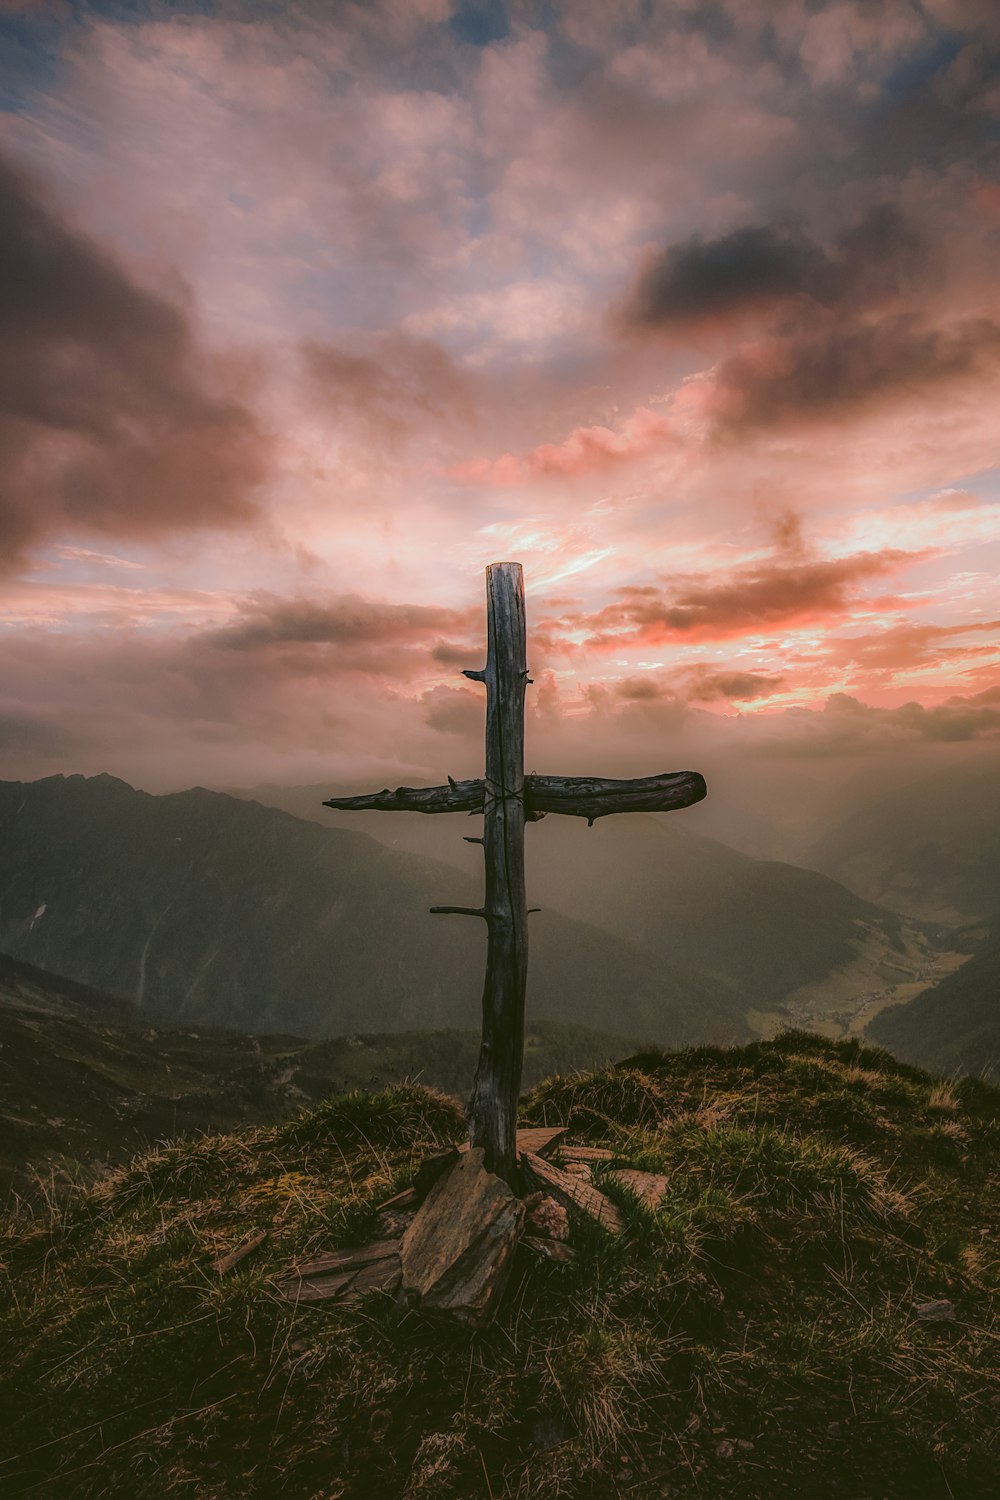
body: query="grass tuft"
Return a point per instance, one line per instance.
(620, 1095)
(407, 1114)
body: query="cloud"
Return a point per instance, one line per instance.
(752, 599)
(111, 421)
(451, 655)
(642, 689)
(399, 386)
(37, 735)
(827, 331)
(830, 369)
(703, 684)
(349, 620)
(429, 234)
(847, 726)
(453, 711)
(688, 283)
(586, 451)
(741, 687)
(760, 267)
(909, 645)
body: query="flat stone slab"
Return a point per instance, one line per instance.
(346, 1273)
(346, 1260)
(573, 1192)
(457, 1253)
(651, 1187)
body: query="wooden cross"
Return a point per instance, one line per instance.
(507, 799)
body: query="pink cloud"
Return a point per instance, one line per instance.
(760, 597)
(586, 451)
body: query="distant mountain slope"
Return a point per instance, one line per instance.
(931, 849)
(84, 1078)
(201, 907)
(787, 940)
(956, 1024)
(25, 987)
(767, 929)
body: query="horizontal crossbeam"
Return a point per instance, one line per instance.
(589, 797)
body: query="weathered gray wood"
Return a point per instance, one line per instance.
(589, 797)
(541, 1140)
(586, 1154)
(457, 1253)
(457, 796)
(497, 1086)
(574, 1193)
(507, 799)
(381, 1276)
(351, 1259)
(225, 1263)
(346, 1273)
(556, 1250)
(594, 797)
(406, 1199)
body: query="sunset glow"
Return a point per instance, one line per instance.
(311, 312)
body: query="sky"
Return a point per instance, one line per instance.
(309, 311)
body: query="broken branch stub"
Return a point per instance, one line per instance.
(457, 796)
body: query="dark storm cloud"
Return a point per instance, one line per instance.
(841, 328)
(833, 367)
(110, 422)
(940, 108)
(837, 329)
(705, 279)
(347, 620)
(761, 266)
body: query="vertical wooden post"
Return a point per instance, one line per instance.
(493, 1109)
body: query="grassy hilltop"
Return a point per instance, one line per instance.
(755, 1336)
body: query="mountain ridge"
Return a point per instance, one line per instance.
(86, 1080)
(954, 1026)
(204, 907)
(793, 943)
(930, 848)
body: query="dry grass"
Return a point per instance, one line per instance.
(754, 1336)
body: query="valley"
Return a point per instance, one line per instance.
(86, 1080)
